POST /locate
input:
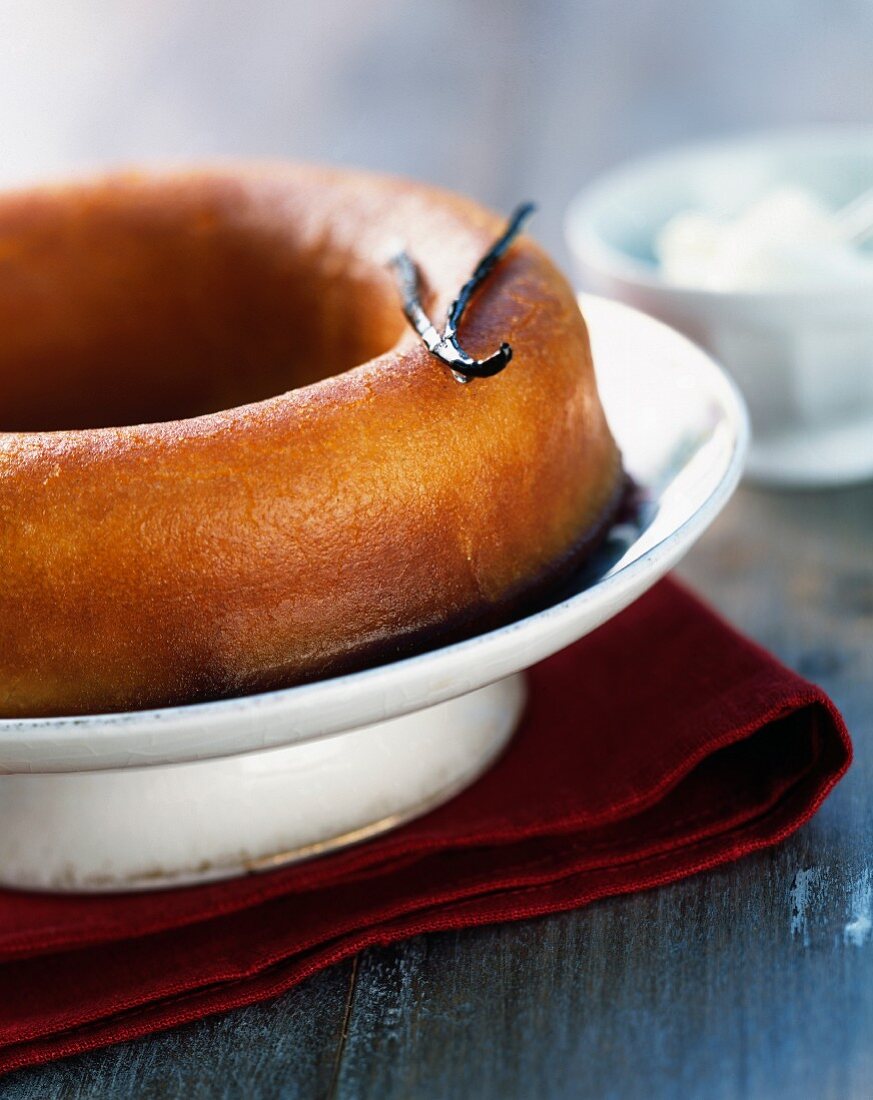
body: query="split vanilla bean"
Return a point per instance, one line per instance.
(445, 345)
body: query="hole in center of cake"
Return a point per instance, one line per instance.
(120, 309)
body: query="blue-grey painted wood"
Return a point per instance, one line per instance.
(286, 1048)
(753, 981)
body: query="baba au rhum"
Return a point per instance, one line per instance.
(227, 464)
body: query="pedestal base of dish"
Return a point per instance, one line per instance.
(814, 457)
(148, 827)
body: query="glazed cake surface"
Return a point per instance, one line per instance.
(226, 463)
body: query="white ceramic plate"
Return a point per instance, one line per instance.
(682, 428)
(115, 802)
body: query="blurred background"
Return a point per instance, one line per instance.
(502, 100)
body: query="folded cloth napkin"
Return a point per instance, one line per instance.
(662, 745)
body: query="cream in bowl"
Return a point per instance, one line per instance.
(759, 249)
(787, 239)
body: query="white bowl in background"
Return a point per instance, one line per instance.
(803, 358)
(186, 794)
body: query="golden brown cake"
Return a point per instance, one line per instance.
(226, 462)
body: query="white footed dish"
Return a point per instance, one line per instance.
(187, 794)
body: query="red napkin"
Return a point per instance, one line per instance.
(662, 745)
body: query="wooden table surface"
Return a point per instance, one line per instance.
(751, 981)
